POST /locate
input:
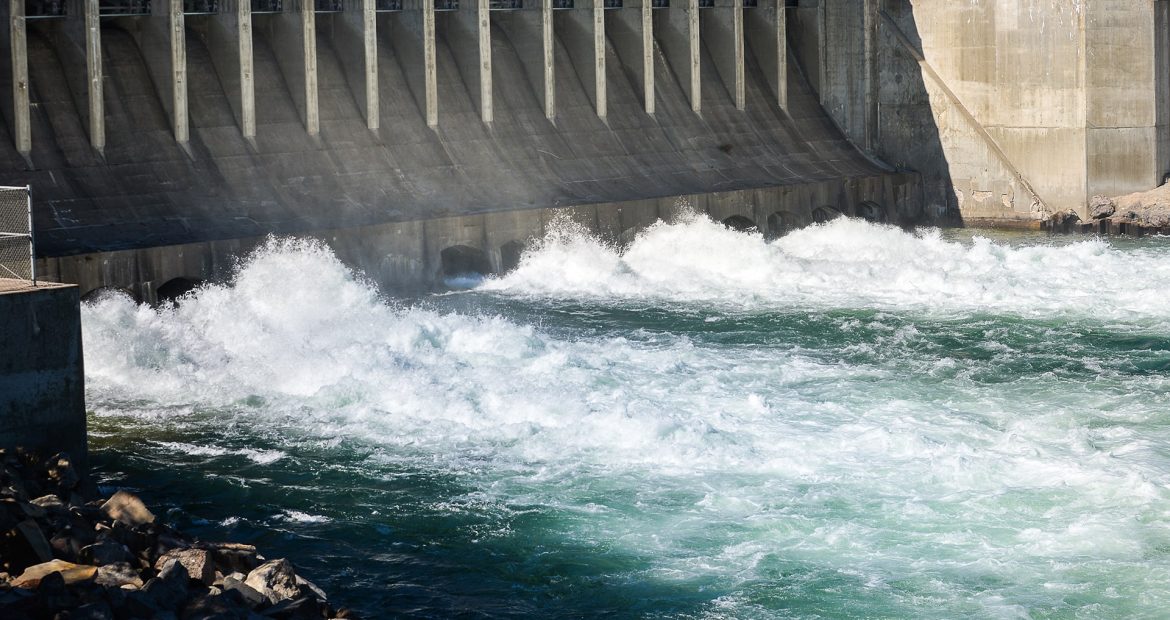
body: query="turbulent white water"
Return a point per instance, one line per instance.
(849, 263)
(932, 433)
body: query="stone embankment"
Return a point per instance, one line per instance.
(64, 554)
(1141, 213)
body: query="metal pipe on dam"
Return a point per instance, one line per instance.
(162, 137)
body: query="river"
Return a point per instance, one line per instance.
(850, 421)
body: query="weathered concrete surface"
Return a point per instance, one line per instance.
(1010, 110)
(407, 255)
(146, 190)
(42, 389)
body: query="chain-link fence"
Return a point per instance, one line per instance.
(16, 239)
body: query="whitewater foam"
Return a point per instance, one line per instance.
(866, 446)
(846, 263)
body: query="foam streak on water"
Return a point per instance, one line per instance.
(851, 421)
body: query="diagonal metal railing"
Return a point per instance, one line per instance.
(17, 252)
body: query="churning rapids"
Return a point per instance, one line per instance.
(849, 421)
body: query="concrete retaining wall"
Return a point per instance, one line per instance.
(42, 386)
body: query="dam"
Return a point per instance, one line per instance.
(164, 137)
(575, 308)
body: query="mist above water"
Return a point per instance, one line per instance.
(851, 420)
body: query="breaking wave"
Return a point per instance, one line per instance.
(847, 263)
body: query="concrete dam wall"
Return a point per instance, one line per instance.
(176, 128)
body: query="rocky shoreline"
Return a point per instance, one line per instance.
(68, 554)
(1137, 214)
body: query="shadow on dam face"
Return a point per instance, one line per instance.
(907, 127)
(772, 161)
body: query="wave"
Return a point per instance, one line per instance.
(847, 263)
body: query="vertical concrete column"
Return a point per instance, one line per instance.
(601, 99)
(548, 60)
(309, 27)
(871, 24)
(822, 50)
(429, 63)
(358, 46)
(229, 35)
(165, 48)
(18, 50)
(247, 68)
(766, 35)
(83, 27)
(294, 39)
(473, 19)
(722, 26)
(583, 32)
(677, 30)
(632, 31)
(178, 36)
(411, 33)
(696, 90)
(647, 15)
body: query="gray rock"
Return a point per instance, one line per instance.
(275, 580)
(127, 508)
(92, 611)
(198, 563)
(27, 545)
(234, 587)
(62, 472)
(1101, 207)
(312, 587)
(168, 591)
(232, 556)
(50, 503)
(105, 552)
(117, 575)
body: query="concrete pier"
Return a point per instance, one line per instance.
(677, 30)
(229, 37)
(766, 35)
(722, 29)
(42, 383)
(164, 34)
(356, 39)
(18, 50)
(292, 34)
(582, 29)
(632, 32)
(470, 29)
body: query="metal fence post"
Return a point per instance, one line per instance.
(32, 248)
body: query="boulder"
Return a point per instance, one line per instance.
(212, 606)
(167, 591)
(303, 608)
(50, 503)
(127, 508)
(53, 593)
(62, 472)
(198, 563)
(105, 552)
(23, 546)
(71, 573)
(117, 575)
(1101, 207)
(99, 610)
(275, 580)
(232, 557)
(234, 587)
(311, 587)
